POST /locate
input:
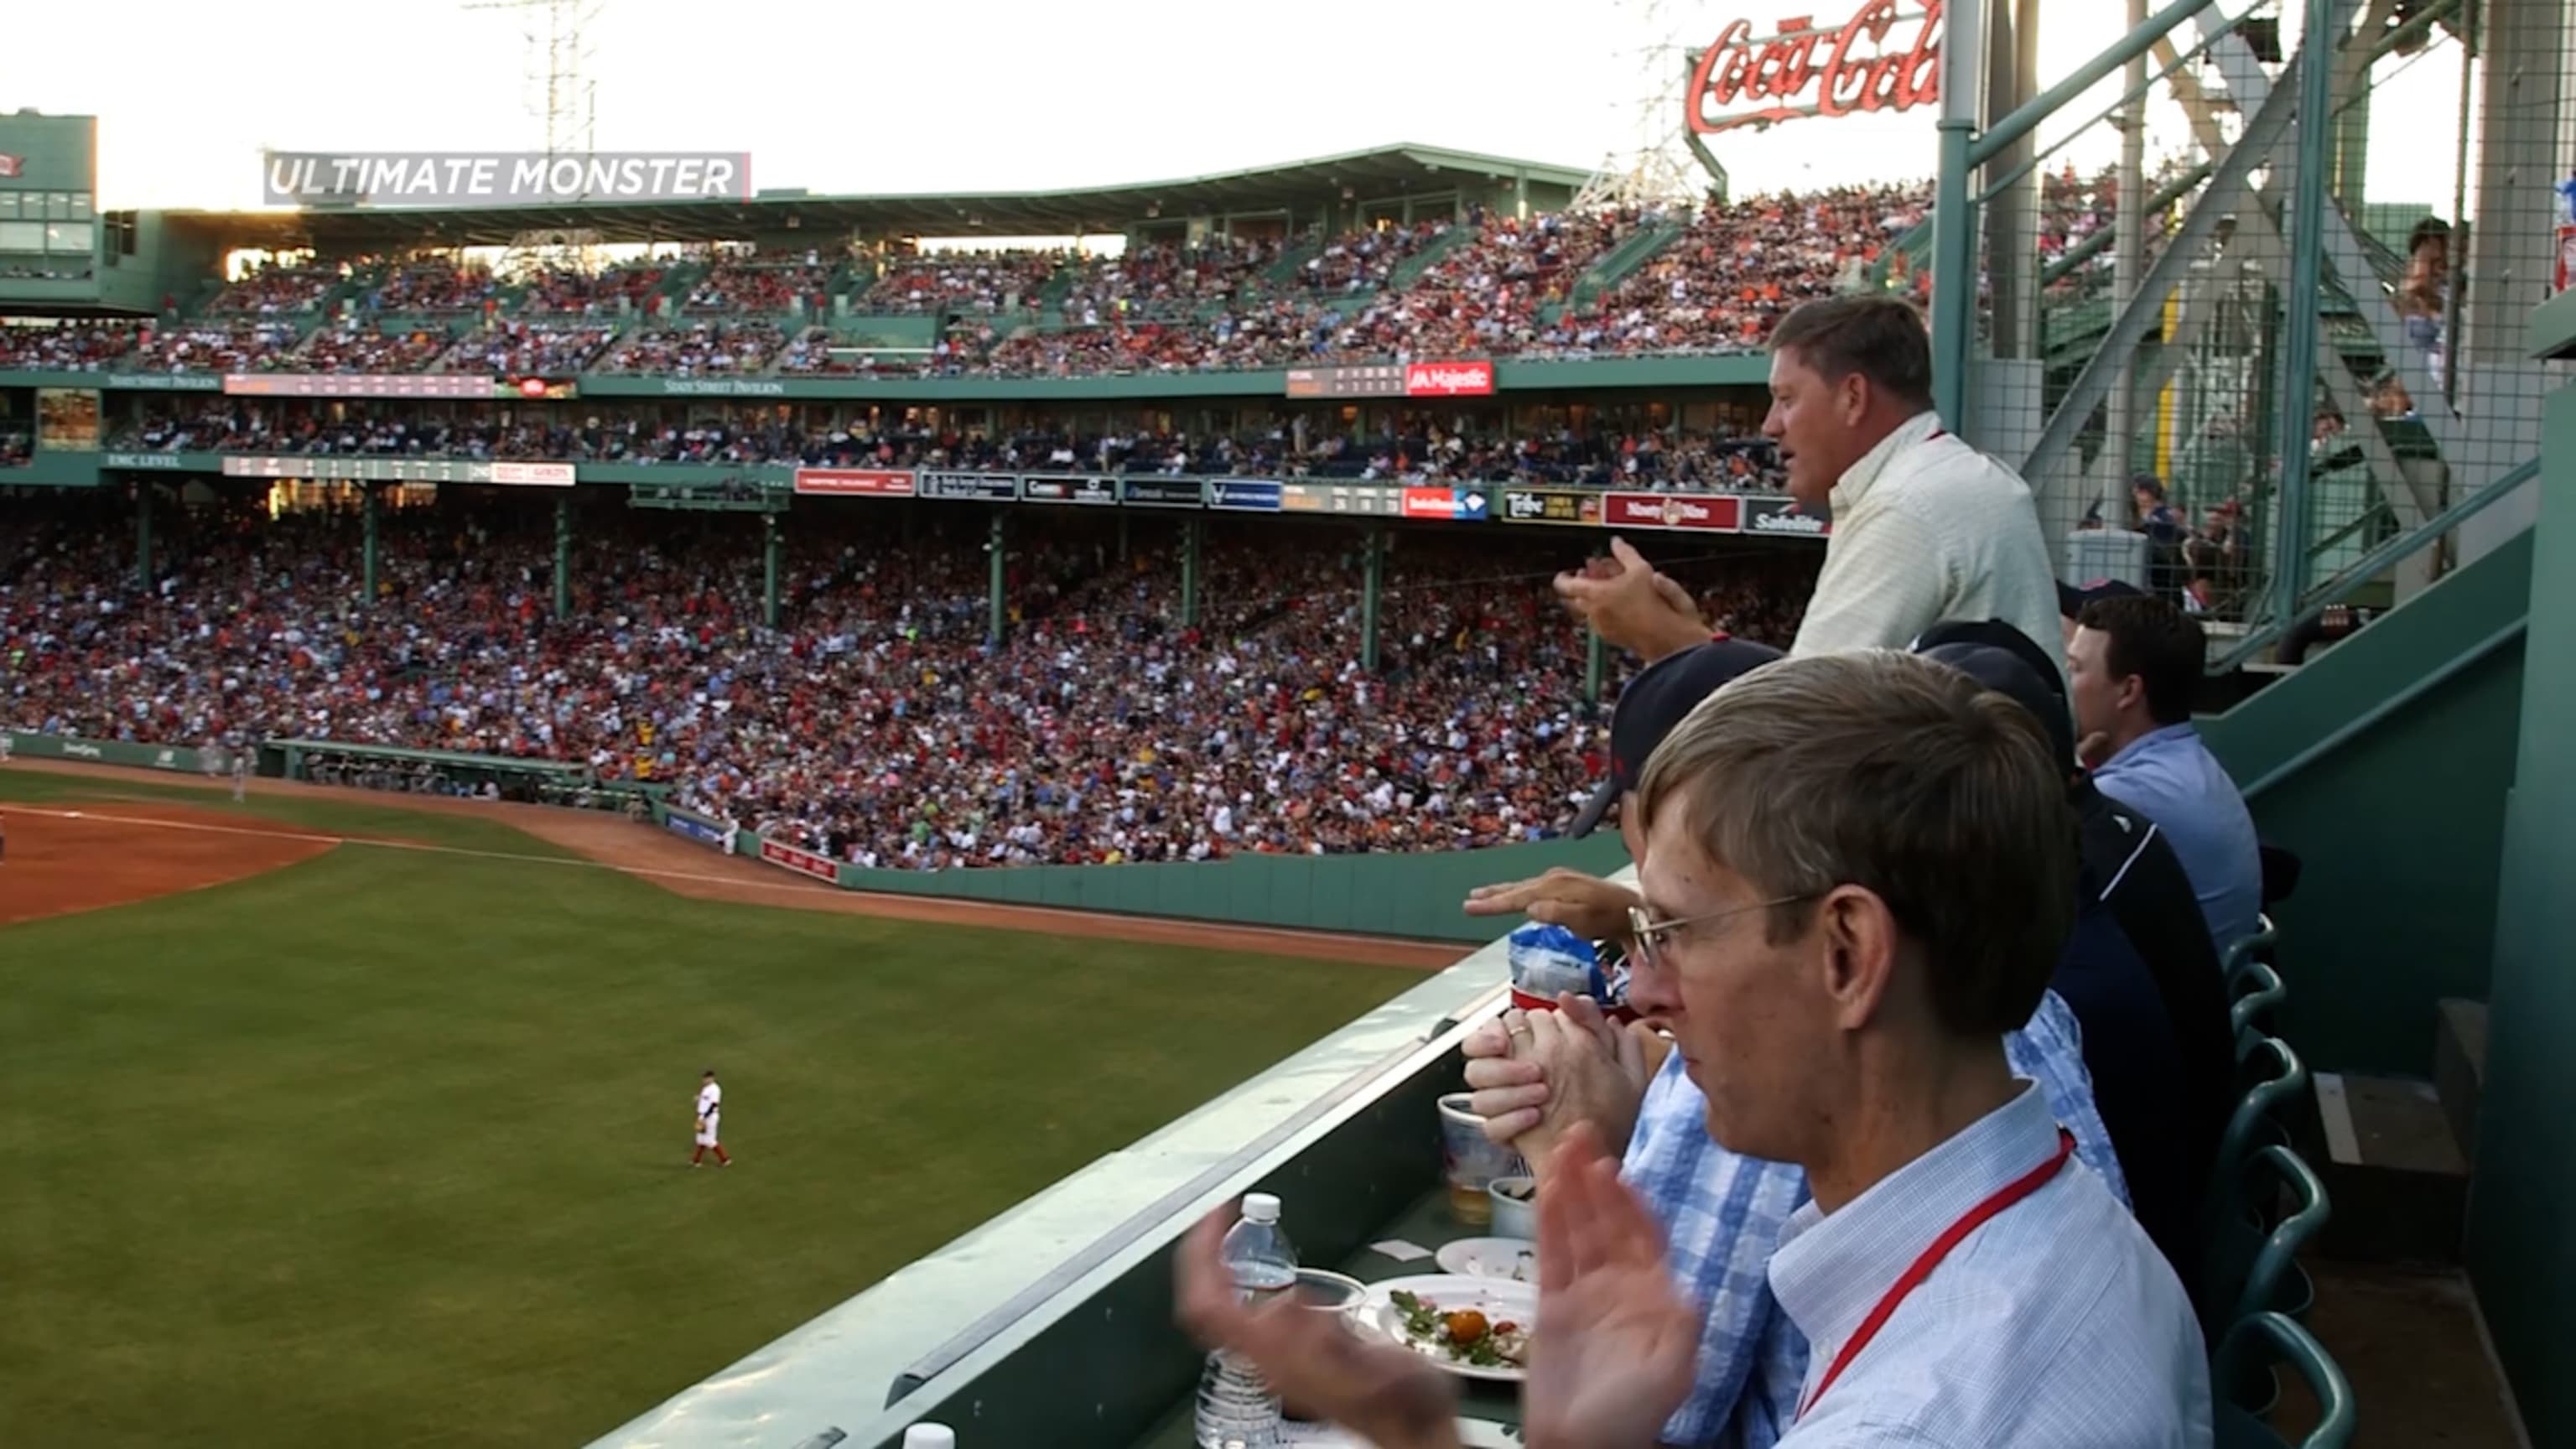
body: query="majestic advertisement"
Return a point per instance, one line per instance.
(1783, 516)
(991, 487)
(855, 482)
(1552, 505)
(1449, 379)
(1261, 496)
(1069, 490)
(1709, 512)
(1418, 379)
(1884, 58)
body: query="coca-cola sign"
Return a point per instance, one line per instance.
(1449, 379)
(1879, 60)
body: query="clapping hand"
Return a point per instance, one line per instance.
(1629, 604)
(1612, 1355)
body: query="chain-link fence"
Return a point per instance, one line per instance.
(2263, 417)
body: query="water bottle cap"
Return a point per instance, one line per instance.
(1260, 1207)
(929, 1436)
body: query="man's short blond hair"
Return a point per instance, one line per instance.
(1904, 777)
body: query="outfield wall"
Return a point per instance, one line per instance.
(1372, 895)
(179, 759)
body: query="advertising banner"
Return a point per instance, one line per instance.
(1783, 517)
(1257, 496)
(1552, 505)
(705, 832)
(402, 470)
(990, 487)
(855, 482)
(1069, 490)
(1164, 492)
(1449, 379)
(803, 862)
(1712, 512)
(1456, 504)
(365, 384)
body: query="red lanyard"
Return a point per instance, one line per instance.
(2011, 1192)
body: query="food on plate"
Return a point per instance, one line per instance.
(1466, 1335)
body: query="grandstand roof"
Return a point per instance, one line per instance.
(1380, 173)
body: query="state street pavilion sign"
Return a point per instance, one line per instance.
(1881, 59)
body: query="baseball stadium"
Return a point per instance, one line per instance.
(1085, 707)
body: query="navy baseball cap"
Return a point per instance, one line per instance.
(2071, 598)
(2004, 659)
(1655, 703)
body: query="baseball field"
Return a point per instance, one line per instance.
(332, 1122)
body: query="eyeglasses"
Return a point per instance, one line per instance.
(1646, 935)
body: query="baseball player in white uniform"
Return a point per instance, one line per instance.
(241, 774)
(710, 1107)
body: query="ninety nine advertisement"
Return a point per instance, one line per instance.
(1713, 512)
(803, 862)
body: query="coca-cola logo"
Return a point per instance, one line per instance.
(1449, 379)
(1806, 69)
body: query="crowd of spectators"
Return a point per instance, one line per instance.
(1738, 268)
(556, 290)
(881, 726)
(65, 346)
(1416, 448)
(1506, 288)
(206, 346)
(761, 282)
(705, 349)
(427, 285)
(977, 282)
(532, 349)
(280, 289)
(352, 345)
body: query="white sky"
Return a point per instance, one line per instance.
(966, 94)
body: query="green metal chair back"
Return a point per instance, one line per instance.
(2275, 1203)
(2252, 1346)
(2262, 991)
(2279, 1079)
(2238, 953)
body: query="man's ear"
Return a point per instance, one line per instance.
(1851, 394)
(1857, 935)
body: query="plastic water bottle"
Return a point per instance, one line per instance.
(929, 1436)
(1236, 1409)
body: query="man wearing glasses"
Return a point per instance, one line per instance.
(1858, 875)
(1722, 1212)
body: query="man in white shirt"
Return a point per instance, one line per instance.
(1857, 876)
(710, 1109)
(1925, 528)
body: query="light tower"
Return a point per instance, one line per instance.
(561, 95)
(1663, 162)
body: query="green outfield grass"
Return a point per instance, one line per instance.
(388, 1148)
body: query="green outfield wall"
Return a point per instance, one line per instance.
(1415, 896)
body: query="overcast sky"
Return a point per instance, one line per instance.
(967, 94)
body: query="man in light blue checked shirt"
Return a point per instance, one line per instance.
(1722, 1213)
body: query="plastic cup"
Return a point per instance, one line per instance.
(1472, 1161)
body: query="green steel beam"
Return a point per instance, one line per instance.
(994, 601)
(2374, 563)
(1954, 220)
(2146, 309)
(143, 537)
(367, 516)
(563, 554)
(2307, 279)
(2046, 104)
(1996, 184)
(2093, 246)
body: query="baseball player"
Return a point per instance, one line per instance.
(710, 1106)
(241, 774)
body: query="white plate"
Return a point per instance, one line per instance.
(1499, 1299)
(1515, 1259)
